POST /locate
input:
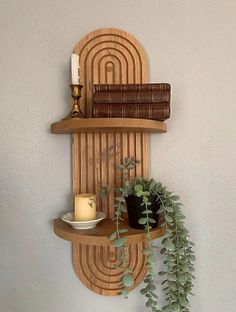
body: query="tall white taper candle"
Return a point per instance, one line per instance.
(74, 68)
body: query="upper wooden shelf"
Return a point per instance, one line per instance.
(91, 125)
(99, 235)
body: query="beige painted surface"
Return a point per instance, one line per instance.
(192, 45)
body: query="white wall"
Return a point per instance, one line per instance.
(192, 45)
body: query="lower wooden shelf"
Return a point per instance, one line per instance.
(99, 236)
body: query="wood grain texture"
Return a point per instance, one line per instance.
(99, 236)
(95, 160)
(98, 271)
(106, 56)
(94, 125)
(109, 56)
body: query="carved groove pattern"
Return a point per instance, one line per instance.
(95, 162)
(107, 56)
(97, 269)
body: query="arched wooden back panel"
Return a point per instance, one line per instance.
(107, 56)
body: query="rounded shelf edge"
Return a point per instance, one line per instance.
(91, 125)
(99, 235)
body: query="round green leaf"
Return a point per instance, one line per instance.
(119, 242)
(183, 302)
(128, 280)
(142, 221)
(162, 273)
(151, 220)
(125, 293)
(138, 188)
(168, 219)
(169, 209)
(169, 245)
(147, 211)
(176, 307)
(143, 291)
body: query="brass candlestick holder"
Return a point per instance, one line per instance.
(76, 95)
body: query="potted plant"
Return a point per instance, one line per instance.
(140, 189)
(154, 198)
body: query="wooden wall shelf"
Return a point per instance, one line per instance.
(98, 144)
(95, 125)
(99, 236)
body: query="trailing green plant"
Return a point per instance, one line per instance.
(179, 256)
(117, 238)
(146, 220)
(176, 246)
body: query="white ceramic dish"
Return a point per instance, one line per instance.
(83, 225)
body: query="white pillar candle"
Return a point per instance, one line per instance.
(85, 207)
(74, 68)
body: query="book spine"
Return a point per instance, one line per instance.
(159, 111)
(131, 97)
(132, 87)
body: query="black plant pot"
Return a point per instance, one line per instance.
(135, 210)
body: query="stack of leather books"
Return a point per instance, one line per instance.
(147, 101)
